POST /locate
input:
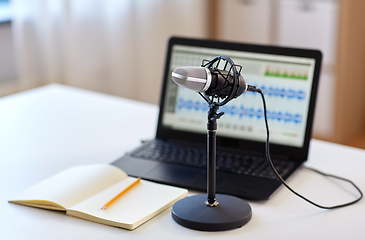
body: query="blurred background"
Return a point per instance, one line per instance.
(118, 47)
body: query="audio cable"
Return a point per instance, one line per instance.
(268, 158)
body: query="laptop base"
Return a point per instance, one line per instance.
(193, 213)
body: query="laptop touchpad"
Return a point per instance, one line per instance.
(178, 174)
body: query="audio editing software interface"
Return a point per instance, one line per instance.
(285, 81)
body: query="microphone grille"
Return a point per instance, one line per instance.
(193, 72)
(193, 78)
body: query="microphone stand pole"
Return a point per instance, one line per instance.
(211, 154)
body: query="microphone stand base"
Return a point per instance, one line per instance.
(230, 213)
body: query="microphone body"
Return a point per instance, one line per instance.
(217, 83)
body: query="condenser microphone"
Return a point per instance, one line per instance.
(213, 82)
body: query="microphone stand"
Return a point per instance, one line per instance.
(205, 212)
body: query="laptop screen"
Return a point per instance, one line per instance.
(286, 82)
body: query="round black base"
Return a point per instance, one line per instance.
(191, 212)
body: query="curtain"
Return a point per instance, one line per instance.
(116, 47)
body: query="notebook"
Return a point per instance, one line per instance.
(177, 155)
(82, 191)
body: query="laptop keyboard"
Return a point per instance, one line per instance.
(256, 166)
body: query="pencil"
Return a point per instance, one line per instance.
(120, 194)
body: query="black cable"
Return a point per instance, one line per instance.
(267, 150)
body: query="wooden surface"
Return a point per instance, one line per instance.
(350, 84)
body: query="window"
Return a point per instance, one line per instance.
(5, 11)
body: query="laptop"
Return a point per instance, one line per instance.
(177, 155)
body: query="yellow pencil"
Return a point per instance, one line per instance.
(121, 193)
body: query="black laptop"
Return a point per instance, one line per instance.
(177, 156)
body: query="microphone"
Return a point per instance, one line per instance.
(214, 82)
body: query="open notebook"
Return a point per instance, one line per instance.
(83, 190)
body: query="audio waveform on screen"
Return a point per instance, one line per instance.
(281, 92)
(241, 111)
(286, 73)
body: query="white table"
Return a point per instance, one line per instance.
(49, 129)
